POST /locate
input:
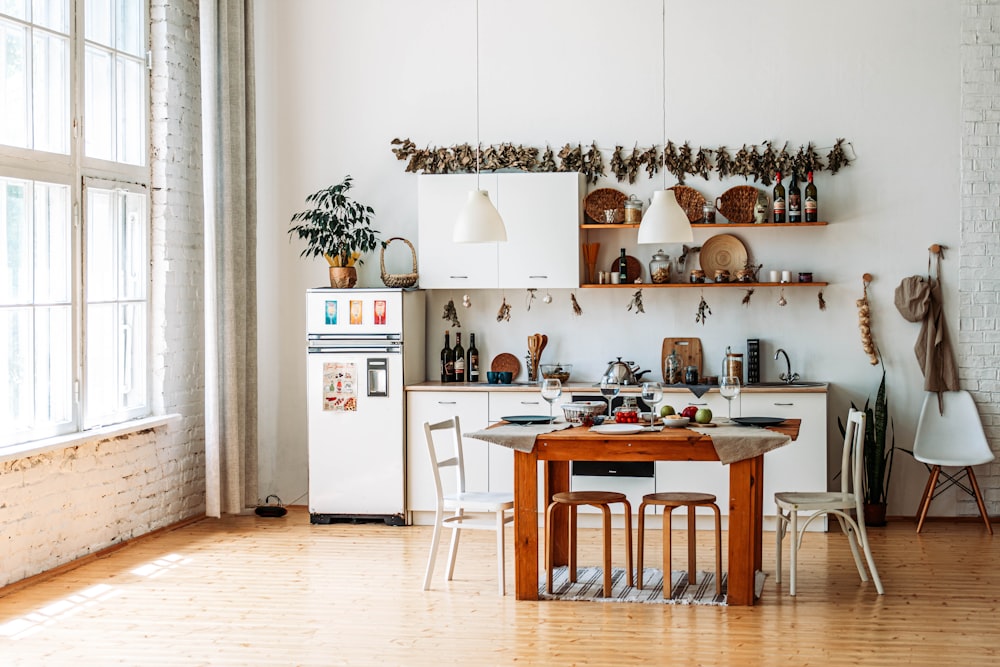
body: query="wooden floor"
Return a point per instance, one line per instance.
(253, 591)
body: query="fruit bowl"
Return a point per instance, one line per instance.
(576, 411)
(556, 371)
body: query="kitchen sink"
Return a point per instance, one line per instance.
(790, 385)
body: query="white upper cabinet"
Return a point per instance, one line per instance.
(542, 214)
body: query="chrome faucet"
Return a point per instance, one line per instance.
(788, 376)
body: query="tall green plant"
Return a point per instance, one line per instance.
(877, 456)
(337, 228)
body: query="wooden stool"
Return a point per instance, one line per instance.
(671, 501)
(601, 500)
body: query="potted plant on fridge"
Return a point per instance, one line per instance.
(878, 454)
(337, 228)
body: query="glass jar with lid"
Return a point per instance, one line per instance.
(660, 268)
(633, 209)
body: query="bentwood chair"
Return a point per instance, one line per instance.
(838, 504)
(501, 505)
(955, 438)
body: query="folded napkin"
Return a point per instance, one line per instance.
(736, 443)
(698, 389)
(519, 438)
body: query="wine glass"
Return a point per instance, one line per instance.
(652, 392)
(551, 390)
(729, 387)
(610, 387)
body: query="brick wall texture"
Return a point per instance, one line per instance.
(978, 346)
(62, 505)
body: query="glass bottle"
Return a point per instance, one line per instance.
(459, 353)
(472, 360)
(673, 372)
(794, 199)
(623, 268)
(778, 206)
(659, 268)
(447, 359)
(811, 203)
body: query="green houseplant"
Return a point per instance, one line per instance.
(878, 453)
(337, 228)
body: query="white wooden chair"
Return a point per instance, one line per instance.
(462, 501)
(837, 503)
(955, 438)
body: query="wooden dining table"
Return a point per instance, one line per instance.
(558, 448)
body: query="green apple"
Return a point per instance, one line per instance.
(703, 416)
(667, 410)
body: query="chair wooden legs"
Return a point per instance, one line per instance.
(979, 499)
(692, 546)
(571, 560)
(435, 540)
(932, 485)
(500, 555)
(925, 502)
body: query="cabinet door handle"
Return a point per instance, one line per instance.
(446, 402)
(784, 404)
(538, 277)
(459, 277)
(693, 403)
(529, 403)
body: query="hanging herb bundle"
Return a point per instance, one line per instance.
(685, 162)
(822, 301)
(593, 164)
(636, 302)
(703, 312)
(723, 162)
(836, 159)
(503, 315)
(618, 166)
(548, 162)
(531, 297)
(703, 162)
(652, 160)
(746, 297)
(451, 313)
(577, 310)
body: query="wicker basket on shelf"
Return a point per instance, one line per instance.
(691, 201)
(604, 199)
(737, 204)
(399, 279)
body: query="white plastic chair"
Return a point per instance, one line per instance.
(955, 438)
(839, 504)
(462, 501)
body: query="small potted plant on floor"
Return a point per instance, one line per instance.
(337, 228)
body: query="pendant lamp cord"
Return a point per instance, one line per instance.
(477, 96)
(663, 81)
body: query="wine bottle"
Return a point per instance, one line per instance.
(622, 268)
(811, 204)
(472, 360)
(447, 359)
(779, 199)
(794, 199)
(459, 353)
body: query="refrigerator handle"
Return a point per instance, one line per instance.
(378, 377)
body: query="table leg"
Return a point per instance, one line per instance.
(745, 525)
(557, 481)
(526, 525)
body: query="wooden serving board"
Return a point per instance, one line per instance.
(688, 349)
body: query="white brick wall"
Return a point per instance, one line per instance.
(62, 505)
(978, 346)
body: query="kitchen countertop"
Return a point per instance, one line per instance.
(592, 388)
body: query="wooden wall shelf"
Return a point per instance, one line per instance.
(690, 285)
(701, 225)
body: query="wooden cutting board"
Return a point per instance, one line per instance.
(688, 349)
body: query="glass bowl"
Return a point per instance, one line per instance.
(557, 371)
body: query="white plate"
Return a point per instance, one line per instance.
(675, 422)
(618, 429)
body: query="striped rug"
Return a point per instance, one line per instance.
(589, 585)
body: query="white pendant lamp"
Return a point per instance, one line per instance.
(479, 221)
(665, 221)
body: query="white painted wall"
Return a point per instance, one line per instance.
(337, 81)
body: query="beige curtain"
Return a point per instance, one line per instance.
(230, 255)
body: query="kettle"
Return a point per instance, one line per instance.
(625, 372)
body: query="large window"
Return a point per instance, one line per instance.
(74, 216)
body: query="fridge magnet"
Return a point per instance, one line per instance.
(339, 387)
(380, 311)
(355, 312)
(331, 312)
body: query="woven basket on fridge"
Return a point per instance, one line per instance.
(399, 279)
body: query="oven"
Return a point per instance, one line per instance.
(612, 468)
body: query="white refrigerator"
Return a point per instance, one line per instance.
(364, 346)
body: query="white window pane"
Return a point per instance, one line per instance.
(14, 114)
(53, 263)
(102, 365)
(101, 243)
(50, 89)
(15, 242)
(100, 120)
(133, 260)
(132, 360)
(16, 379)
(16, 8)
(53, 14)
(98, 21)
(130, 27)
(131, 111)
(53, 366)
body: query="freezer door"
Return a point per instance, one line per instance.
(356, 433)
(354, 312)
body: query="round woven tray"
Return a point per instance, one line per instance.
(722, 251)
(737, 204)
(399, 279)
(691, 201)
(601, 200)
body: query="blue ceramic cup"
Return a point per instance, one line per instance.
(493, 377)
(505, 377)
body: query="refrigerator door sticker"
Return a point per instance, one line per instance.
(355, 312)
(339, 387)
(331, 312)
(380, 311)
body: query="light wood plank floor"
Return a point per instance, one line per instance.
(253, 591)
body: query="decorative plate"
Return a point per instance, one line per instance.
(723, 251)
(506, 361)
(601, 200)
(691, 201)
(524, 420)
(758, 421)
(633, 268)
(737, 204)
(618, 429)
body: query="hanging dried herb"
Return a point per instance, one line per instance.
(636, 302)
(836, 159)
(503, 315)
(743, 163)
(703, 312)
(768, 163)
(451, 314)
(703, 162)
(618, 165)
(822, 301)
(723, 162)
(634, 164)
(652, 160)
(593, 164)
(489, 159)
(812, 160)
(746, 297)
(685, 162)
(406, 148)
(761, 169)
(531, 297)
(548, 162)
(570, 158)
(783, 161)
(672, 162)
